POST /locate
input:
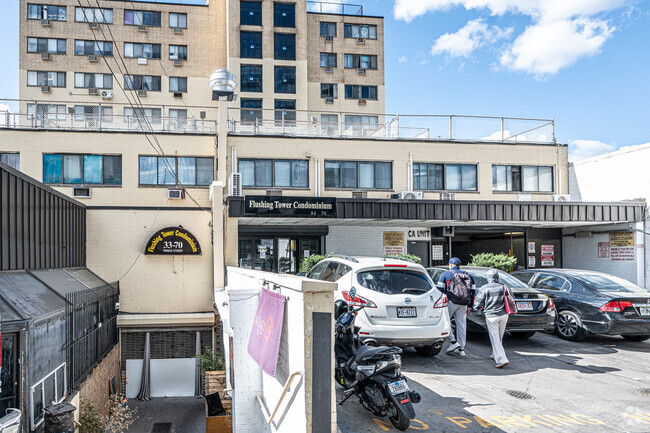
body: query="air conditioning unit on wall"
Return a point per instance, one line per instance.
(175, 194)
(409, 195)
(235, 186)
(446, 196)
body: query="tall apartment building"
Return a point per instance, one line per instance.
(105, 59)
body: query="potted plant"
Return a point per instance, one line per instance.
(214, 382)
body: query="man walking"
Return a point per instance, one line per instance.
(459, 287)
(492, 298)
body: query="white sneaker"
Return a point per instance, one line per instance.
(453, 347)
(462, 353)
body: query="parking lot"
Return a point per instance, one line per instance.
(600, 384)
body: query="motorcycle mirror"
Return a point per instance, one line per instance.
(353, 293)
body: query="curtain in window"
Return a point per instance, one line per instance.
(112, 166)
(283, 173)
(453, 177)
(93, 169)
(148, 170)
(530, 179)
(349, 174)
(72, 168)
(384, 175)
(186, 171)
(263, 173)
(366, 175)
(436, 176)
(300, 174)
(545, 179)
(499, 178)
(166, 171)
(247, 170)
(204, 171)
(332, 174)
(420, 176)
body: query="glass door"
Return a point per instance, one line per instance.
(287, 252)
(264, 255)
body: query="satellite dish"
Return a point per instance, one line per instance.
(223, 82)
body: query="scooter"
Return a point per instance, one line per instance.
(371, 373)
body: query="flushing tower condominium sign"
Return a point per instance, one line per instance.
(290, 206)
(173, 241)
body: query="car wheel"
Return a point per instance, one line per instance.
(636, 337)
(522, 334)
(429, 351)
(569, 326)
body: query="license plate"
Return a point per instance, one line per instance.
(407, 312)
(398, 387)
(525, 306)
(644, 311)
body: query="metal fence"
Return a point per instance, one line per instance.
(334, 8)
(390, 126)
(92, 329)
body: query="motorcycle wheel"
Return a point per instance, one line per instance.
(400, 421)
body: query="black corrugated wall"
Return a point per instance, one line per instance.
(40, 228)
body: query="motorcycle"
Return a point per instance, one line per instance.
(369, 372)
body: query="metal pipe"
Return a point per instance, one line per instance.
(265, 412)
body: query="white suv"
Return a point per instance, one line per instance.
(403, 305)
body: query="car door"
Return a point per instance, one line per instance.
(555, 287)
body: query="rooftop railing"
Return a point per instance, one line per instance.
(334, 8)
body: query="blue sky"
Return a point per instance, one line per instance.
(584, 63)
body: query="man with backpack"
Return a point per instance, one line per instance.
(459, 287)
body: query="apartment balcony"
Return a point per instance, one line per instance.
(324, 7)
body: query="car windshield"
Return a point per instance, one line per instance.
(394, 282)
(608, 283)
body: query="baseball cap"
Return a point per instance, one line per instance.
(454, 261)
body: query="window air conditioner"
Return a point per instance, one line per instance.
(359, 194)
(561, 197)
(362, 102)
(46, 56)
(410, 195)
(329, 69)
(107, 94)
(93, 25)
(93, 58)
(46, 23)
(329, 100)
(175, 194)
(524, 197)
(46, 89)
(329, 38)
(178, 63)
(234, 186)
(274, 192)
(142, 28)
(142, 93)
(178, 30)
(81, 192)
(178, 94)
(93, 91)
(361, 40)
(361, 71)
(446, 196)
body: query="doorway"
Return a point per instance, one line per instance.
(276, 254)
(420, 249)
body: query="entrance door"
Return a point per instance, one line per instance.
(9, 373)
(439, 252)
(420, 249)
(287, 256)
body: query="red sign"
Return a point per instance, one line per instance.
(603, 250)
(264, 342)
(548, 255)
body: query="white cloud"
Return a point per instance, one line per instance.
(562, 31)
(472, 36)
(402, 59)
(583, 149)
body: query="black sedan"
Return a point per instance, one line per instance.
(591, 302)
(536, 310)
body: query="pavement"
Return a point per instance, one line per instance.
(601, 384)
(169, 415)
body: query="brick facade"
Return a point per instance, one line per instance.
(166, 344)
(96, 386)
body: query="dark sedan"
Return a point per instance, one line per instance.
(591, 302)
(536, 310)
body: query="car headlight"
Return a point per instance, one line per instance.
(367, 370)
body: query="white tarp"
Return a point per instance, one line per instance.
(169, 377)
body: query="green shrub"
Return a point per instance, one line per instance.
(412, 257)
(210, 361)
(90, 419)
(311, 261)
(497, 261)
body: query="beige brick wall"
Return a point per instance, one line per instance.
(96, 386)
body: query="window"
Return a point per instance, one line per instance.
(262, 173)
(329, 124)
(142, 82)
(43, 45)
(82, 169)
(284, 15)
(328, 90)
(46, 12)
(251, 45)
(358, 174)
(142, 18)
(172, 170)
(360, 92)
(360, 61)
(285, 79)
(177, 20)
(538, 179)
(360, 31)
(144, 115)
(92, 113)
(251, 78)
(87, 48)
(177, 84)
(250, 13)
(93, 81)
(45, 112)
(45, 78)
(251, 110)
(550, 282)
(361, 124)
(327, 29)
(522, 178)
(11, 159)
(93, 15)
(285, 112)
(428, 176)
(460, 177)
(284, 46)
(178, 52)
(147, 51)
(328, 60)
(177, 118)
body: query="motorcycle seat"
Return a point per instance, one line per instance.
(366, 352)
